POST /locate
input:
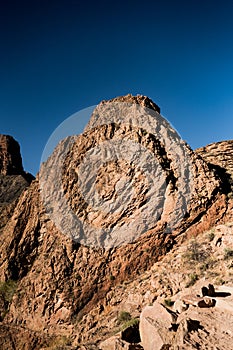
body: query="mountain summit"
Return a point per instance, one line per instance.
(90, 243)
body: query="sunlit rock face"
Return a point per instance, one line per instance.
(219, 154)
(105, 207)
(10, 157)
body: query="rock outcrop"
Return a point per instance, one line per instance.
(13, 179)
(10, 157)
(219, 154)
(156, 326)
(161, 327)
(67, 288)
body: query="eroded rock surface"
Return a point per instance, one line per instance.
(71, 290)
(156, 327)
(219, 154)
(10, 157)
(13, 179)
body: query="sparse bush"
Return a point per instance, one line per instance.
(132, 322)
(192, 279)
(228, 253)
(58, 343)
(168, 302)
(211, 236)
(207, 265)
(195, 252)
(124, 316)
(204, 267)
(7, 290)
(112, 278)
(219, 281)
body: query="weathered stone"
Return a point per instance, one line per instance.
(14, 337)
(219, 154)
(13, 179)
(116, 343)
(61, 284)
(180, 306)
(10, 157)
(185, 326)
(155, 327)
(192, 299)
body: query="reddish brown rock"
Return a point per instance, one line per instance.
(219, 154)
(61, 282)
(10, 157)
(13, 179)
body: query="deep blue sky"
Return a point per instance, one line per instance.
(58, 57)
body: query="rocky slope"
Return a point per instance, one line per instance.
(72, 292)
(169, 296)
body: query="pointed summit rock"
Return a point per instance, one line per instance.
(10, 157)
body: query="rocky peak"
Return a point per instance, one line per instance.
(141, 100)
(10, 157)
(71, 295)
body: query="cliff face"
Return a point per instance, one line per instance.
(10, 157)
(13, 179)
(219, 154)
(65, 286)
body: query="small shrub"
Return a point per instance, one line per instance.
(112, 278)
(168, 302)
(7, 290)
(132, 322)
(228, 253)
(124, 316)
(192, 279)
(195, 252)
(204, 267)
(207, 265)
(219, 281)
(211, 236)
(144, 132)
(58, 343)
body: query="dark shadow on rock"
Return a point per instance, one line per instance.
(193, 325)
(222, 294)
(131, 334)
(204, 304)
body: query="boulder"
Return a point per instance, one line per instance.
(194, 300)
(116, 343)
(156, 327)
